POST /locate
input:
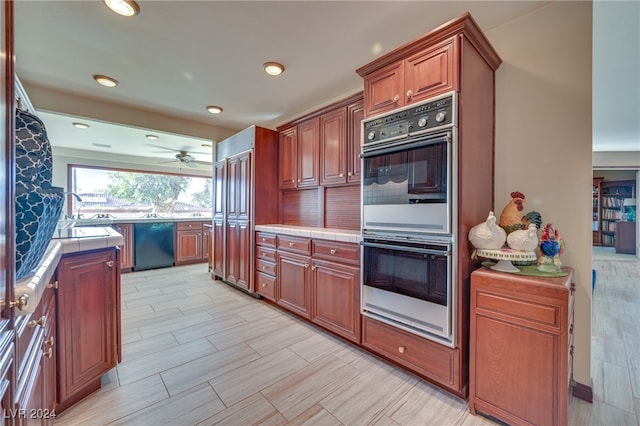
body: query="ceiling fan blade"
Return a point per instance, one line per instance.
(191, 165)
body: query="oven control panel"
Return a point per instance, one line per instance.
(411, 120)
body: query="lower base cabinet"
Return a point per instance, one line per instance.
(88, 317)
(521, 347)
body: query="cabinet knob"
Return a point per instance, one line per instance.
(264, 267)
(341, 174)
(409, 93)
(396, 98)
(42, 321)
(291, 244)
(110, 263)
(48, 353)
(298, 180)
(349, 174)
(333, 251)
(313, 268)
(264, 284)
(53, 284)
(21, 303)
(401, 349)
(50, 341)
(264, 239)
(306, 265)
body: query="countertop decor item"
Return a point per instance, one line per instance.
(487, 235)
(551, 246)
(504, 257)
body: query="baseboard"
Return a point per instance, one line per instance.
(582, 392)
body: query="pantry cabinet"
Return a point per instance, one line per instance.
(521, 359)
(245, 181)
(424, 74)
(88, 318)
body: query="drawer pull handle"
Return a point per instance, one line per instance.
(110, 263)
(401, 349)
(48, 353)
(333, 251)
(50, 341)
(42, 321)
(21, 303)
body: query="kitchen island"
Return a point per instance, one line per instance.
(68, 320)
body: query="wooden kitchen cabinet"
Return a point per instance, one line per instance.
(189, 243)
(266, 269)
(333, 147)
(298, 158)
(521, 353)
(126, 249)
(207, 250)
(293, 287)
(88, 298)
(335, 288)
(246, 183)
(355, 115)
(422, 75)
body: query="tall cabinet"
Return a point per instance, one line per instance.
(245, 182)
(455, 56)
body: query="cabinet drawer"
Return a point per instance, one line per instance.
(264, 239)
(266, 285)
(265, 253)
(265, 267)
(189, 226)
(294, 244)
(423, 356)
(30, 328)
(337, 252)
(520, 309)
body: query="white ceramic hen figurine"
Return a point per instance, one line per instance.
(487, 235)
(524, 239)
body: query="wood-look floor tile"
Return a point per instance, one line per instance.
(607, 415)
(279, 339)
(207, 328)
(304, 389)
(132, 370)
(612, 386)
(150, 317)
(130, 335)
(239, 384)
(187, 408)
(315, 416)
(610, 349)
(254, 410)
(103, 407)
(200, 370)
(185, 320)
(183, 304)
(316, 346)
(148, 346)
(634, 374)
(241, 333)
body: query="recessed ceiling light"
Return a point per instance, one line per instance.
(105, 80)
(151, 137)
(273, 68)
(81, 125)
(214, 109)
(123, 7)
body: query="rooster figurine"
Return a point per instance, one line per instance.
(487, 235)
(511, 216)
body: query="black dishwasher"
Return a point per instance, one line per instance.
(153, 245)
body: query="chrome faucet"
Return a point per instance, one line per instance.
(79, 200)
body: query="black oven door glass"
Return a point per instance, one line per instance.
(406, 176)
(414, 274)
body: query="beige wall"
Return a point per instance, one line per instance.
(543, 136)
(624, 160)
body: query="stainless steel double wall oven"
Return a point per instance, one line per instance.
(408, 217)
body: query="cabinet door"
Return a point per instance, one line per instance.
(206, 244)
(335, 294)
(288, 154)
(292, 291)
(431, 72)
(238, 262)
(87, 321)
(219, 185)
(243, 186)
(384, 89)
(218, 248)
(188, 246)
(308, 140)
(49, 363)
(355, 115)
(333, 147)
(231, 199)
(126, 249)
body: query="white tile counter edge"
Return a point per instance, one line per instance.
(34, 284)
(344, 235)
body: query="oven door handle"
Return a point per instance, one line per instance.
(403, 145)
(404, 248)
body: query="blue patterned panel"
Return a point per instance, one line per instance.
(38, 203)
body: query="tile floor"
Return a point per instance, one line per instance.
(199, 352)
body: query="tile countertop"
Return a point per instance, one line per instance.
(64, 241)
(96, 221)
(345, 235)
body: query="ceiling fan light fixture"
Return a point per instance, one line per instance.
(123, 7)
(151, 137)
(105, 81)
(214, 109)
(273, 68)
(80, 125)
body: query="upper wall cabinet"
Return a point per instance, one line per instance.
(323, 148)
(422, 75)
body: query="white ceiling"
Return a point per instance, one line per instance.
(177, 57)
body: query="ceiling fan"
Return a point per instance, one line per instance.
(184, 157)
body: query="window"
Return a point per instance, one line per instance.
(113, 193)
